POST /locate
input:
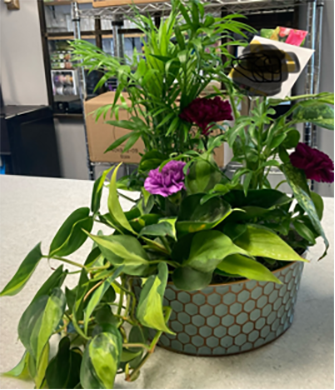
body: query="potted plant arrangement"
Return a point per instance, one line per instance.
(202, 264)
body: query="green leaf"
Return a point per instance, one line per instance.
(63, 370)
(194, 216)
(24, 272)
(318, 203)
(98, 295)
(278, 140)
(151, 160)
(30, 323)
(209, 248)
(246, 182)
(97, 191)
(124, 250)
(51, 318)
(319, 114)
(41, 368)
(297, 180)
(70, 236)
(189, 279)
(114, 207)
(163, 228)
(233, 230)
(118, 142)
(266, 198)
(292, 139)
(20, 371)
(100, 361)
(304, 232)
(144, 220)
(262, 242)
(55, 280)
(150, 305)
(202, 177)
(248, 268)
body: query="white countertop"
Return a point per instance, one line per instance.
(32, 209)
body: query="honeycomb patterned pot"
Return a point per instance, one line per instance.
(230, 318)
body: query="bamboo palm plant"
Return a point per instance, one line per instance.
(180, 59)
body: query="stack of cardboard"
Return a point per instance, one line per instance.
(100, 135)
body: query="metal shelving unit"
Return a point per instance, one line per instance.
(117, 11)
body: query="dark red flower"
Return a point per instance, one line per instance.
(203, 111)
(316, 164)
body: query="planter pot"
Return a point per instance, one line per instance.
(225, 319)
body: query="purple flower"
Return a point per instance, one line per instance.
(203, 111)
(167, 182)
(316, 164)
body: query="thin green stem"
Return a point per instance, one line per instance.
(127, 197)
(166, 244)
(137, 345)
(126, 319)
(65, 261)
(121, 295)
(172, 263)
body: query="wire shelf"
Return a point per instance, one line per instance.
(213, 6)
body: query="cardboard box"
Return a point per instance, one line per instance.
(100, 135)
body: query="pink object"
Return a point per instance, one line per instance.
(296, 37)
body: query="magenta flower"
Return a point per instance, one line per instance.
(203, 111)
(316, 164)
(167, 182)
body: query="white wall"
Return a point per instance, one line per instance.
(23, 82)
(22, 69)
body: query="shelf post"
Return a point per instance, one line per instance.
(118, 45)
(310, 77)
(82, 82)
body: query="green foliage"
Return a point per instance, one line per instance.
(150, 305)
(24, 272)
(70, 236)
(248, 268)
(297, 181)
(262, 242)
(63, 369)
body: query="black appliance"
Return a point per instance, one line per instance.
(28, 144)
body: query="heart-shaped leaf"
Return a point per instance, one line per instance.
(98, 295)
(209, 248)
(189, 279)
(165, 227)
(100, 361)
(124, 250)
(262, 242)
(150, 305)
(248, 268)
(23, 274)
(202, 177)
(194, 217)
(266, 198)
(63, 370)
(70, 236)
(20, 371)
(297, 180)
